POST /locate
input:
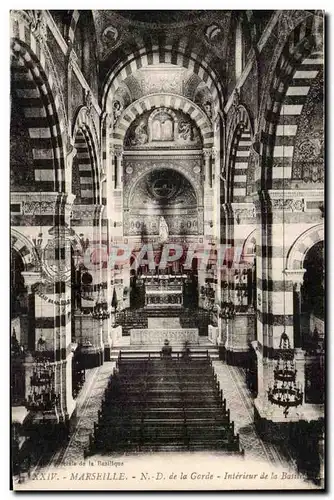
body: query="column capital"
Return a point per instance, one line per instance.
(207, 153)
(243, 211)
(31, 278)
(296, 276)
(118, 151)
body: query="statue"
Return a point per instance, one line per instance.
(208, 109)
(117, 110)
(163, 230)
(166, 350)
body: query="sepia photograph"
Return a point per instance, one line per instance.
(167, 264)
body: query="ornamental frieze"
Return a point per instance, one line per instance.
(290, 204)
(39, 207)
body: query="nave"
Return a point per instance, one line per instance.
(167, 192)
(239, 400)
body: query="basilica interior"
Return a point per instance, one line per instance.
(167, 234)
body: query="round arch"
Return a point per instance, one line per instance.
(45, 126)
(304, 242)
(25, 249)
(172, 101)
(33, 58)
(85, 140)
(178, 56)
(238, 149)
(249, 244)
(297, 52)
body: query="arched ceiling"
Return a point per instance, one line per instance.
(187, 33)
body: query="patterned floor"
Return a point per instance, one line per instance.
(240, 402)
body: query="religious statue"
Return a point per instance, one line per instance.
(208, 108)
(166, 350)
(163, 230)
(117, 110)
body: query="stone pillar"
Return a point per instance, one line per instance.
(118, 167)
(52, 304)
(207, 167)
(280, 218)
(30, 279)
(296, 276)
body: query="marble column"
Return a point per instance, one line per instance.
(297, 278)
(118, 167)
(207, 167)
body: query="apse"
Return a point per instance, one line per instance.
(163, 193)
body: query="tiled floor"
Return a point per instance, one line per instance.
(240, 402)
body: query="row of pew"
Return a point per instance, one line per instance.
(163, 404)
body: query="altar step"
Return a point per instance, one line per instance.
(138, 318)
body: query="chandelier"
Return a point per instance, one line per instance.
(16, 349)
(42, 395)
(284, 391)
(100, 311)
(227, 310)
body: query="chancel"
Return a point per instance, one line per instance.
(167, 235)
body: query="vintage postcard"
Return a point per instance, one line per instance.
(167, 250)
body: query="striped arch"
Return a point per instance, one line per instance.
(35, 86)
(85, 178)
(24, 248)
(299, 249)
(297, 66)
(291, 109)
(178, 55)
(249, 246)
(72, 25)
(172, 101)
(239, 144)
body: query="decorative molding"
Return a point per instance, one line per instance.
(207, 153)
(243, 210)
(176, 154)
(110, 36)
(43, 203)
(39, 207)
(295, 275)
(288, 204)
(87, 211)
(149, 336)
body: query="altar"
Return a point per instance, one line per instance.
(175, 336)
(164, 290)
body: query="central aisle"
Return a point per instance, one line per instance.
(238, 400)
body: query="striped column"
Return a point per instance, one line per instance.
(239, 179)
